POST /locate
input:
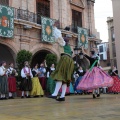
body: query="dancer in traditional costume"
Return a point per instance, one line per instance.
(11, 73)
(95, 78)
(36, 86)
(3, 81)
(50, 82)
(26, 83)
(116, 86)
(42, 77)
(62, 74)
(79, 73)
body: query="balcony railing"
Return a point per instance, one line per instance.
(27, 15)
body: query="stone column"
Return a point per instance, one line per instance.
(116, 17)
(91, 22)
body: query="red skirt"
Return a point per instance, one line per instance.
(43, 82)
(116, 85)
(12, 84)
(67, 90)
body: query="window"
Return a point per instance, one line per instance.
(101, 56)
(112, 34)
(43, 9)
(100, 49)
(115, 62)
(76, 20)
(113, 49)
(4, 2)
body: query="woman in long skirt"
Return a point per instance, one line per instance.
(116, 86)
(36, 86)
(3, 81)
(11, 73)
(95, 78)
(79, 73)
(42, 77)
(50, 82)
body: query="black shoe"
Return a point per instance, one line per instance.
(1, 98)
(22, 96)
(98, 95)
(61, 99)
(5, 98)
(94, 96)
(36, 96)
(54, 97)
(41, 95)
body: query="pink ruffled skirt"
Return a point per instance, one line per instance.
(95, 79)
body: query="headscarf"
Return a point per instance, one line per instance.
(2, 63)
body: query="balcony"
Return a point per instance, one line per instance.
(27, 15)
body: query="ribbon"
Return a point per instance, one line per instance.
(93, 65)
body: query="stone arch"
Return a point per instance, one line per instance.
(40, 51)
(12, 47)
(7, 53)
(46, 47)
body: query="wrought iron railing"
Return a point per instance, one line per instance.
(25, 15)
(35, 18)
(4, 2)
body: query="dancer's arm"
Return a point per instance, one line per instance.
(85, 54)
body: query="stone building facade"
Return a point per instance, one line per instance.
(116, 17)
(27, 31)
(112, 46)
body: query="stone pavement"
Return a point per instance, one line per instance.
(76, 107)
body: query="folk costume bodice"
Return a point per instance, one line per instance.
(26, 71)
(80, 72)
(42, 71)
(92, 60)
(35, 72)
(2, 71)
(11, 72)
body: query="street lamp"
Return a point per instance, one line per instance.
(81, 55)
(76, 54)
(76, 50)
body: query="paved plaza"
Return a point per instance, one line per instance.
(76, 107)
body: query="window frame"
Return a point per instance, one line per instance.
(75, 20)
(4, 2)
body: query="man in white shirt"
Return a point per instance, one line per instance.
(26, 83)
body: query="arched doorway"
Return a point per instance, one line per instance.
(39, 57)
(7, 54)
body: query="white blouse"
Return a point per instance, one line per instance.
(23, 74)
(2, 70)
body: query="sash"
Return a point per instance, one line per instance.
(25, 71)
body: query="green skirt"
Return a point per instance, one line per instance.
(64, 70)
(50, 85)
(3, 85)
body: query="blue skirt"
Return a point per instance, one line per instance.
(76, 84)
(71, 88)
